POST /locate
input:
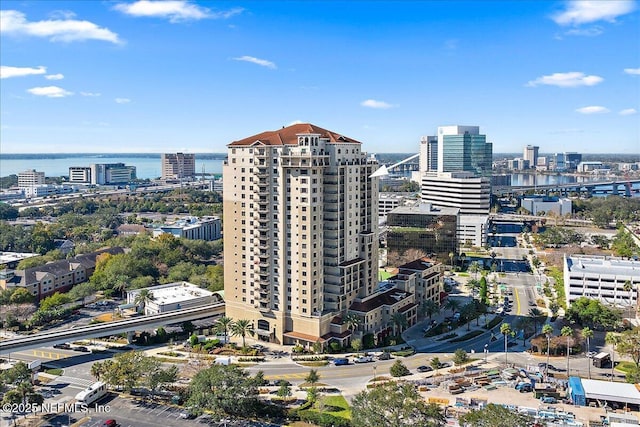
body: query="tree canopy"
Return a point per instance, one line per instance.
(495, 416)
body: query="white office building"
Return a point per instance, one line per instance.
(29, 178)
(193, 228)
(171, 297)
(530, 154)
(613, 281)
(542, 205)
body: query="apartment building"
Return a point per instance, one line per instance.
(300, 237)
(610, 280)
(178, 166)
(422, 277)
(57, 276)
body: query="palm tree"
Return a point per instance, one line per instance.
(352, 321)
(587, 334)
(547, 330)
(399, 320)
(452, 305)
(435, 364)
(613, 339)
(535, 314)
(223, 325)
(241, 328)
(523, 323)
(505, 329)
(468, 311)
(628, 287)
(474, 268)
(312, 377)
(142, 298)
(567, 331)
(430, 308)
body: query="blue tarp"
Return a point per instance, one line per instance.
(576, 391)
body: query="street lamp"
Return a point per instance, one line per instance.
(486, 352)
(374, 373)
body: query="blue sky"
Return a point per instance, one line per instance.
(150, 76)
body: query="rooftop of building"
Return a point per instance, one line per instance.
(177, 292)
(419, 264)
(190, 221)
(10, 257)
(390, 297)
(425, 209)
(603, 265)
(289, 136)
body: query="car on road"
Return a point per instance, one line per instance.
(444, 365)
(425, 368)
(110, 423)
(591, 354)
(340, 361)
(543, 365)
(364, 359)
(82, 349)
(385, 356)
(63, 346)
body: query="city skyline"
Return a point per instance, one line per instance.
(173, 76)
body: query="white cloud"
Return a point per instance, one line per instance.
(49, 91)
(13, 22)
(254, 60)
(372, 103)
(632, 71)
(54, 76)
(586, 11)
(571, 79)
(90, 94)
(628, 112)
(7, 72)
(592, 109)
(174, 10)
(122, 100)
(587, 32)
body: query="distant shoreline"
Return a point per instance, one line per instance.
(26, 156)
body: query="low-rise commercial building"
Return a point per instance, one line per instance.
(102, 174)
(193, 228)
(44, 190)
(610, 280)
(172, 296)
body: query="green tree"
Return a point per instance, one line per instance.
(484, 291)
(474, 268)
(536, 315)
(312, 377)
(399, 321)
(430, 308)
(567, 332)
(394, 405)
(21, 296)
(81, 291)
(453, 305)
(613, 339)
(587, 334)
(224, 390)
(242, 328)
(398, 369)
(353, 321)
(223, 325)
(460, 357)
(505, 330)
(312, 395)
(142, 298)
(629, 345)
(547, 331)
(284, 391)
(435, 364)
(493, 415)
(356, 344)
(54, 301)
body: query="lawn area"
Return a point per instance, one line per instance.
(337, 406)
(54, 371)
(557, 275)
(383, 274)
(625, 366)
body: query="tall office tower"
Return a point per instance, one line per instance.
(29, 178)
(300, 231)
(559, 164)
(428, 154)
(531, 154)
(178, 166)
(572, 160)
(463, 148)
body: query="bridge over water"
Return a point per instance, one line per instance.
(45, 339)
(622, 188)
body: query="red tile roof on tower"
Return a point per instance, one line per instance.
(289, 136)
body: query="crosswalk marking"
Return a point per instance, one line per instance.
(74, 381)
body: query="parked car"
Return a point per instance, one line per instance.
(110, 423)
(425, 368)
(364, 359)
(524, 387)
(83, 349)
(548, 399)
(341, 361)
(591, 354)
(385, 356)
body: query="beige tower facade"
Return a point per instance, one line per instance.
(300, 231)
(178, 165)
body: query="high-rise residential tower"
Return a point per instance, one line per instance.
(531, 154)
(463, 148)
(178, 166)
(300, 232)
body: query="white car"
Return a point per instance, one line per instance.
(364, 359)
